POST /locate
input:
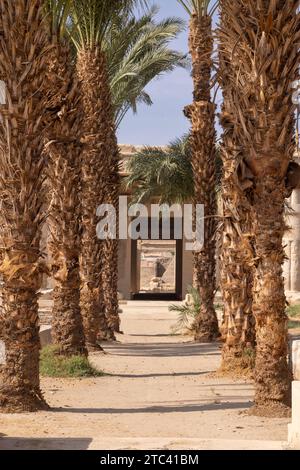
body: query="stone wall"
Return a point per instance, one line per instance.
(294, 427)
(291, 269)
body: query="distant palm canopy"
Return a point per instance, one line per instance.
(165, 173)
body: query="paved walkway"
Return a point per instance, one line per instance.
(158, 393)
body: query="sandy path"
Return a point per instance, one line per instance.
(158, 387)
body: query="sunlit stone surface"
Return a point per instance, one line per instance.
(294, 428)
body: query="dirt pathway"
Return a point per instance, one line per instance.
(158, 389)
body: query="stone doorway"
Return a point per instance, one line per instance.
(157, 269)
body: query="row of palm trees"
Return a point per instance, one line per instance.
(260, 60)
(71, 70)
(67, 89)
(257, 63)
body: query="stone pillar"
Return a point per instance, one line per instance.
(295, 358)
(294, 428)
(291, 242)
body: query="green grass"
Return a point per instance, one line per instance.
(293, 324)
(249, 358)
(293, 311)
(52, 364)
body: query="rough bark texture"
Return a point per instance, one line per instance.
(111, 256)
(236, 276)
(105, 332)
(100, 150)
(203, 146)
(63, 148)
(260, 42)
(23, 48)
(236, 272)
(20, 390)
(272, 374)
(110, 285)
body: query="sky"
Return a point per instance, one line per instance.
(164, 120)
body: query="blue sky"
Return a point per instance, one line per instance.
(164, 120)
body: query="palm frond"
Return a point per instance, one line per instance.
(199, 7)
(136, 47)
(137, 51)
(187, 313)
(58, 12)
(166, 174)
(163, 173)
(91, 19)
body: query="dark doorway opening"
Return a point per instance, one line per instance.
(157, 267)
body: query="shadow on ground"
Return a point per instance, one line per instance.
(162, 349)
(18, 443)
(167, 335)
(158, 374)
(159, 409)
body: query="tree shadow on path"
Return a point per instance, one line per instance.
(162, 349)
(51, 443)
(161, 408)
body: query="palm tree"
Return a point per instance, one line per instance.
(167, 174)
(236, 276)
(63, 149)
(100, 158)
(23, 52)
(260, 43)
(136, 51)
(203, 143)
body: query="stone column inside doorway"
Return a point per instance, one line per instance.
(291, 269)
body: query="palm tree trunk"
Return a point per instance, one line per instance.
(203, 145)
(67, 327)
(63, 149)
(23, 51)
(111, 255)
(20, 387)
(110, 284)
(260, 44)
(106, 333)
(100, 148)
(272, 373)
(236, 276)
(236, 272)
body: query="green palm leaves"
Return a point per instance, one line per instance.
(91, 19)
(199, 7)
(164, 173)
(137, 48)
(58, 12)
(137, 51)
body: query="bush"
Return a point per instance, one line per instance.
(53, 364)
(187, 313)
